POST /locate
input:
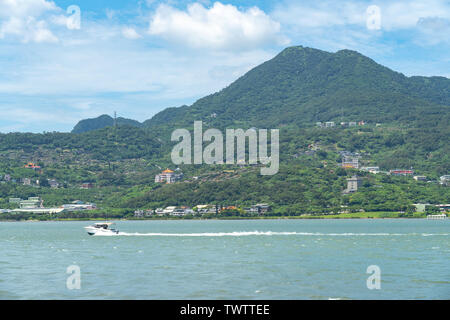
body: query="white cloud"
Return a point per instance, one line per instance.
(434, 30)
(333, 25)
(21, 18)
(25, 8)
(320, 14)
(96, 70)
(218, 27)
(406, 14)
(397, 14)
(130, 33)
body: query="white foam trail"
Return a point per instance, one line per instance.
(260, 233)
(205, 234)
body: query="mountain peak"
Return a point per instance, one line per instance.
(101, 122)
(302, 85)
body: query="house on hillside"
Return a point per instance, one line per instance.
(373, 170)
(259, 208)
(401, 172)
(168, 176)
(31, 203)
(353, 184)
(350, 162)
(53, 183)
(31, 165)
(445, 180)
(87, 185)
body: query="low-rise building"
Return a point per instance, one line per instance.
(169, 210)
(421, 207)
(87, 185)
(178, 212)
(53, 183)
(350, 162)
(259, 208)
(420, 178)
(443, 207)
(206, 208)
(168, 176)
(79, 205)
(138, 213)
(401, 172)
(445, 180)
(373, 170)
(31, 203)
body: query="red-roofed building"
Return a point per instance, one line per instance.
(401, 172)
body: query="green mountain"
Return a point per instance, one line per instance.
(297, 88)
(302, 85)
(102, 122)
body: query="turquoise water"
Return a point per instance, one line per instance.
(243, 259)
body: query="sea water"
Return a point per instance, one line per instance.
(227, 259)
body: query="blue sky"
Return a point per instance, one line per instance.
(139, 57)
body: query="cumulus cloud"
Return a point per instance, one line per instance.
(24, 8)
(218, 27)
(21, 18)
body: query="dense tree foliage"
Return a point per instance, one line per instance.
(103, 121)
(406, 127)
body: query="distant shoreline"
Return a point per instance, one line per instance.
(322, 217)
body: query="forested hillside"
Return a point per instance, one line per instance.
(302, 86)
(102, 122)
(400, 122)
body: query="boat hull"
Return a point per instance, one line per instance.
(100, 231)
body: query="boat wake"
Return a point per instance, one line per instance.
(262, 233)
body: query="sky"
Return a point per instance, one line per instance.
(66, 60)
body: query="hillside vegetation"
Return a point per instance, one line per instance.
(405, 126)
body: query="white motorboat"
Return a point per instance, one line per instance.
(101, 228)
